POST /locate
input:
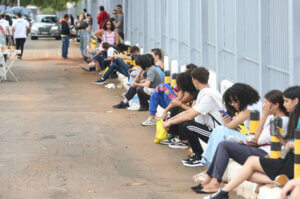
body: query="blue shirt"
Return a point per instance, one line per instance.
(160, 72)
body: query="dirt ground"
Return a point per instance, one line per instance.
(59, 138)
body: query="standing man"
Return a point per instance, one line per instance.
(114, 17)
(119, 20)
(102, 17)
(19, 29)
(5, 26)
(65, 36)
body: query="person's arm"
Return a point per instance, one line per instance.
(138, 77)
(117, 38)
(181, 117)
(97, 53)
(8, 31)
(237, 120)
(144, 84)
(165, 113)
(98, 18)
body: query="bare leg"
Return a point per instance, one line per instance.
(260, 178)
(212, 186)
(295, 193)
(97, 66)
(251, 165)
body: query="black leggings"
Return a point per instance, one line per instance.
(194, 131)
(20, 45)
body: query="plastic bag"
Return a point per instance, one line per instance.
(161, 133)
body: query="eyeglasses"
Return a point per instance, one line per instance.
(108, 24)
(115, 13)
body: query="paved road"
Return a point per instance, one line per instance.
(57, 139)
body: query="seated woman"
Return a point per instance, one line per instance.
(164, 94)
(260, 146)
(148, 77)
(264, 170)
(240, 100)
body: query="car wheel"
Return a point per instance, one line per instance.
(34, 38)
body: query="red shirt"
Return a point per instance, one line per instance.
(103, 15)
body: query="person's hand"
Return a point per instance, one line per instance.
(164, 115)
(267, 108)
(289, 146)
(167, 125)
(289, 187)
(134, 84)
(175, 102)
(225, 118)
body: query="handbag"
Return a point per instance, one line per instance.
(161, 133)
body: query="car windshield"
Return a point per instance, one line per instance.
(47, 19)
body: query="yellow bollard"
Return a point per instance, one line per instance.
(275, 123)
(174, 83)
(254, 119)
(167, 77)
(297, 152)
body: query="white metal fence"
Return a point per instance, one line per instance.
(251, 41)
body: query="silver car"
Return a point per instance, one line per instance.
(45, 26)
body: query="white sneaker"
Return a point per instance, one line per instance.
(148, 90)
(149, 122)
(92, 64)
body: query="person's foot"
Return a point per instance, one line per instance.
(100, 81)
(187, 159)
(179, 145)
(218, 195)
(65, 57)
(194, 162)
(19, 57)
(143, 109)
(85, 68)
(121, 105)
(92, 64)
(149, 122)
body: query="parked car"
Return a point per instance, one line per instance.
(45, 26)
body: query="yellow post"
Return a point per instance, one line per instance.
(167, 77)
(254, 119)
(275, 123)
(174, 76)
(297, 151)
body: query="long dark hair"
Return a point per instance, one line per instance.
(185, 83)
(112, 27)
(276, 96)
(244, 94)
(293, 93)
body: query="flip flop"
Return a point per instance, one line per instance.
(199, 186)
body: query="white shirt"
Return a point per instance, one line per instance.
(4, 25)
(209, 102)
(110, 52)
(20, 26)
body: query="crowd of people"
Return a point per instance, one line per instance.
(194, 112)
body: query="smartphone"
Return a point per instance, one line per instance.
(225, 113)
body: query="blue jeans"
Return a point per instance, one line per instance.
(83, 43)
(219, 134)
(159, 98)
(89, 36)
(65, 46)
(118, 65)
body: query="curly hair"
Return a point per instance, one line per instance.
(293, 93)
(185, 83)
(112, 27)
(243, 94)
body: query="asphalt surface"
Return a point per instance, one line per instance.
(60, 137)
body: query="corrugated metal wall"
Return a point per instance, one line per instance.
(251, 41)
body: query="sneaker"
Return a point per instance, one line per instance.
(92, 64)
(100, 81)
(85, 68)
(218, 195)
(143, 109)
(149, 122)
(195, 161)
(165, 142)
(179, 145)
(187, 159)
(148, 90)
(122, 105)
